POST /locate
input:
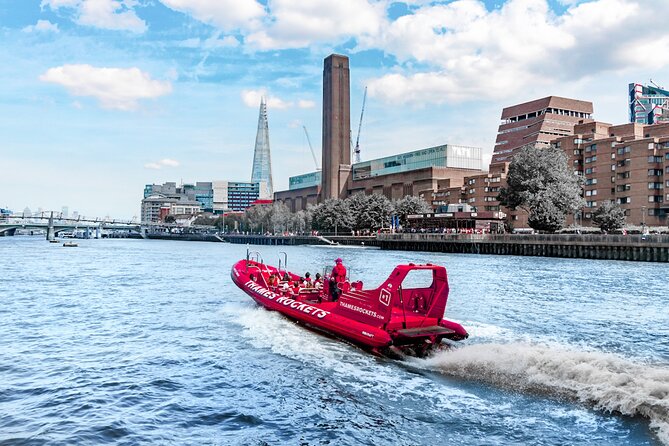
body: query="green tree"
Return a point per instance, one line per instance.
(279, 217)
(259, 218)
(609, 216)
(410, 205)
(541, 182)
(369, 211)
(170, 219)
(333, 215)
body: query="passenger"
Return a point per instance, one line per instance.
(286, 277)
(306, 282)
(285, 289)
(273, 280)
(337, 276)
(253, 277)
(318, 283)
(296, 287)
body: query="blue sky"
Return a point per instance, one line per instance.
(100, 97)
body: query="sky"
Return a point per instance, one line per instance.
(100, 97)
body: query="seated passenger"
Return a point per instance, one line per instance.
(318, 283)
(286, 277)
(253, 277)
(306, 282)
(296, 287)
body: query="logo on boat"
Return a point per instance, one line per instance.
(364, 311)
(384, 297)
(287, 301)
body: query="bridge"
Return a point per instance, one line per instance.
(54, 224)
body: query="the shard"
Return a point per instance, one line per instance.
(262, 162)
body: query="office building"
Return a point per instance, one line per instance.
(262, 160)
(537, 122)
(648, 104)
(214, 197)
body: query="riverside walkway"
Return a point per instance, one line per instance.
(646, 248)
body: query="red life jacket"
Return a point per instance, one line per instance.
(339, 273)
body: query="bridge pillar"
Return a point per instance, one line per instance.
(87, 232)
(50, 231)
(97, 232)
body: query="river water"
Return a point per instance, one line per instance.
(150, 342)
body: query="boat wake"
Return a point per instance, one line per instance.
(603, 381)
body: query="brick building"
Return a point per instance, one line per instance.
(539, 121)
(626, 164)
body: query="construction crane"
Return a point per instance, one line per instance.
(311, 147)
(356, 151)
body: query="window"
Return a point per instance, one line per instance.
(624, 200)
(654, 159)
(613, 156)
(623, 187)
(590, 204)
(590, 181)
(576, 151)
(654, 172)
(590, 170)
(655, 185)
(591, 159)
(590, 193)
(666, 156)
(489, 198)
(623, 175)
(626, 149)
(613, 167)
(471, 191)
(472, 181)
(655, 198)
(625, 162)
(591, 148)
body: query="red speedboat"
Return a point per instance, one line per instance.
(399, 314)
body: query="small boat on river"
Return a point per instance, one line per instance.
(70, 244)
(405, 314)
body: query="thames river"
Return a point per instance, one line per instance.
(149, 342)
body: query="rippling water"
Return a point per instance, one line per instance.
(149, 342)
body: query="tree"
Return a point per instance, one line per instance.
(369, 211)
(410, 205)
(170, 219)
(279, 217)
(258, 217)
(541, 182)
(333, 215)
(609, 216)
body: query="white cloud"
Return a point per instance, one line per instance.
(114, 88)
(107, 14)
(295, 24)
(41, 26)
(466, 51)
(165, 162)
(306, 103)
(225, 14)
(211, 43)
(252, 99)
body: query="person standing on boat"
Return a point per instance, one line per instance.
(337, 276)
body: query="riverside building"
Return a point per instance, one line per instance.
(537, 122)
(627, 164)
(216, 197)
(393, 176)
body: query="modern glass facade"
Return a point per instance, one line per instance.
(446, 155)
(242, 194)
(307, 180)
(648, 104)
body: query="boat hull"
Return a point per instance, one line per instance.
(317, 315)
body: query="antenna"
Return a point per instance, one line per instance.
(311, 147)
(658, 86)
(357, 140)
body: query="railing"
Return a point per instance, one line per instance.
(613, 239)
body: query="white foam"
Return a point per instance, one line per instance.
(605, 381)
